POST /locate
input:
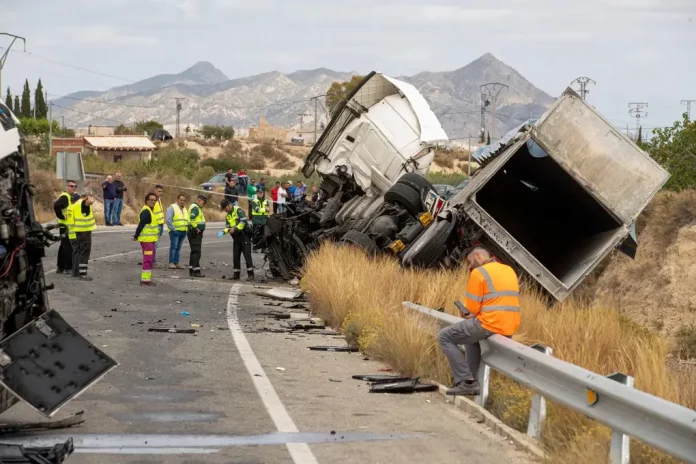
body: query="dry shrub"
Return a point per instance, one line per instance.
(256, 162)
(363, 296)
(444, 160)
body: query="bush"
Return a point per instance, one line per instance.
(685, 342)
(217, 132)
(443, 159)
(224, 163)
(204, 174)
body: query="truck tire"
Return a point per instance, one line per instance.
(407, 197)
(355, 237)
(431, 246)
(416, 182)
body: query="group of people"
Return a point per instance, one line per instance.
(76, 223)
(113, 189)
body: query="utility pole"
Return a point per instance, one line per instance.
(489, 96)
(3, 58)
(179, 106)
(583, 81)
(63, 120)
(50, 128)
(635, 109)
(468, 164)
(688, 107)
(316, 102)
(302, 115)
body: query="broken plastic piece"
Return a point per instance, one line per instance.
(172, 330)
(346, 349)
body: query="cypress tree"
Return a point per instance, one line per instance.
(40, 102)
(8, 99)
(26, 100)
(15, 110)
(488, 139)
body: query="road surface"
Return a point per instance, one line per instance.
(232, 393)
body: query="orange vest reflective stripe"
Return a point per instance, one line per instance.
(493, 294)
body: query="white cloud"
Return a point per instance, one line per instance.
(110, 35)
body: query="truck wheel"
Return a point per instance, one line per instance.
(431, 246)
(407, 197)
(416, 182)
(355, 237)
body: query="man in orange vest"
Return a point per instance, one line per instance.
(492, 303)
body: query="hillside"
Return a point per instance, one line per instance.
(212, 98)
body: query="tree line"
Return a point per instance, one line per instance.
(22, 108)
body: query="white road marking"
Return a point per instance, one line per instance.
(299, 452)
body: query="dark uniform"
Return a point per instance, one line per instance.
(63, 209)
(260, 209)
(240, 230)
(195, 237)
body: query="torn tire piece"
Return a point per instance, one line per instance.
(406, 386)
(380, 378)
(343, 349)
(425, 387)
(172, 330)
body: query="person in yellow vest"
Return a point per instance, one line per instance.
(63, 209)
(240, 230)
(492, 306)
(195, 235)
(159, 216)
(177, 220)
(260, 209)
(72, 236)
(147, 233)
(83, 225)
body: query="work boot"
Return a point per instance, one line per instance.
(190, 271)
(198, 274)
(85, 277)
(250, 276)
(60, 271)
(236, 276)
(465, 388)
(148, 283)
(172, 266)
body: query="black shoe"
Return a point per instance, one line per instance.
(148, 283)
(198, 274)
(60, 271)
(250, 276)
(85, 277)
(236, 276)
(466, 388)
(109, 224)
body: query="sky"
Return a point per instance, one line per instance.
(635, 50)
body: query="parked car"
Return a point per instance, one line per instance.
(446, 191)
(216, 183)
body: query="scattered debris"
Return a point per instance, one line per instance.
(196, 326)
(296, 306)
(386, 369)
(295, 281)
(258, 375)
(74, 419)
(114, 309)
(333, 432)
(281, 369)
(273, 303)
(222, 328)
(185, 313)
(281, 294)
(335, 380)
(53, 455)
(171, 330)
(380, 378)
(178, 301)
(343, 349)
(303, 326)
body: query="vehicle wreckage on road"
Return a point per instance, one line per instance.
(43, 360)
(552, 198)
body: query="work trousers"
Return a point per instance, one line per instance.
(65, 251)
(81, 252)
(195, 238)
(154, 254)
(176, 241)
(275, 207)
(148, 260)
(468, 333)
(241, 245)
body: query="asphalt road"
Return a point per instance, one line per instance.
(232, 393)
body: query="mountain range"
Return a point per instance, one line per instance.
(208, 96)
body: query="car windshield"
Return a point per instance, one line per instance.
(462, 185)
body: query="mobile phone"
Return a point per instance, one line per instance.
(461, 308)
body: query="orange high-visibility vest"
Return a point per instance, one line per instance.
(493, 295)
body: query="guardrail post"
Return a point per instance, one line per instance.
(620, 450)
(537, 413)
(484, 375)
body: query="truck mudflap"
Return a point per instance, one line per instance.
(47, 363)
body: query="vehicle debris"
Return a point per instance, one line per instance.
(281, 294)
(380, 378)
(171, 330)
(402, 386)
(185, 313)
(281, 369)
(70, 421)
(20, 454)
(302, 326)
(342, 349)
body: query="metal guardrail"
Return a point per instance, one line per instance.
(610, 400)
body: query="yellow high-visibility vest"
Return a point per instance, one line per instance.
(181, 218)
(70, 222)
(81, 222)
(200, 219)
(159, 214)
(65, 210)
(150, 232)
(261, 206)
(234, 222)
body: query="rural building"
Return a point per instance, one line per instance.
(120, 148)
(265, 132)
(303, 137)
(72, 145)
(99, 131)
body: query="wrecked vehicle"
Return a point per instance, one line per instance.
(372, 159)
(552, 199)
(43, 360)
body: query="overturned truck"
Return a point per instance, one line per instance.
(552, 198)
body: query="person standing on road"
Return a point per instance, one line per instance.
(251, 193)
(118, 201)
(300, 193)
(109, 189)
(282, 198)
(83, 219)
(492, 301)
(177, 223)
(274, 197)
(63, 209)
(230, 186)
(260, 208)
(195, 235)
(242, 182)
(147, 233)
(238, 227)
(159, 217)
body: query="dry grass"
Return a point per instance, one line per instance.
(363, 296)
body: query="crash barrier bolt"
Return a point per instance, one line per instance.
(620, 450)
(484, 375)
(537, 413)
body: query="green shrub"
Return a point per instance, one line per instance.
(685, 342)
(203, 174)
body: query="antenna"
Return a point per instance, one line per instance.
(489, 97)
(683, 102)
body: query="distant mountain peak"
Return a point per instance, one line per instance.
(206, 72)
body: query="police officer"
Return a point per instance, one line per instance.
(238, 227)
(63, 209)
(260, 209)
(195, 235)
(84, 224)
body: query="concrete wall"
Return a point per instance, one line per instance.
(264, 132)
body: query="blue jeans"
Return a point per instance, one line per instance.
(176, 241)
(161, 231)
(108, 210)
(116, 212)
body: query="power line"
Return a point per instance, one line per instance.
(688, 106)
(583, 81)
